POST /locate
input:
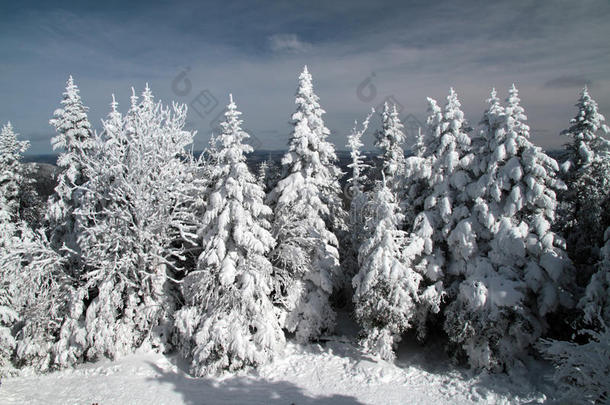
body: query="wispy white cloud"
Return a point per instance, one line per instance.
(288, 43)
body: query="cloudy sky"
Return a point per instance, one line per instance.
(359, 52)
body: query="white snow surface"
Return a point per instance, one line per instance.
(333, 372)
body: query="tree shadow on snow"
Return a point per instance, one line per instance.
(432, 357)
(241, 390)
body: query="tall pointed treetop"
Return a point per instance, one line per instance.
(11, 149)
(390, 142)
(586, 130)
(308, 216)
(74, 133)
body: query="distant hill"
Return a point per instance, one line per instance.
(48, 158)
(254, 159)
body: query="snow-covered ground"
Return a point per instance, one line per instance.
(334, 372)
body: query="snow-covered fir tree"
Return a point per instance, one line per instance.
(437, 181)
(8, 314)
(416, 172)
(37, 277)
(262, 175)
(132, 229)
(484, 295)
(308, 214)
(510, 272)
(228, 321)
(390, 140)
(32, 282)
(357, 202)
(75, 139)
(10, 182)
(586, 133)
(386, 291)
(582, 370)
(357, 183)
(526, 185)
(418, 148)
(595, 304)
(12, 172)
(585, 204)
(271, 175)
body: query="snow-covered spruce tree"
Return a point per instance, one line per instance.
(75, 139)
(356, 183)
(527, 185)
(271, 175)
(11, 181)
(261, 176)
(8, 314)
(510, 273)
(12, 172)
(357, 202)
(15, 179)
(418, 148)
(390, 140)
(131, 222)
(441, 174)
(585, 205)
(386, 291)
(31, 279)
(595, 304)
(416, 171)
(485, 297)
(582, 371)
(40, 294)
(228, 321)
(307, 209)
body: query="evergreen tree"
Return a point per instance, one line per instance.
(582, 370)
(270, 172)
(419, 148)
(262, 175)
(30, 302)
(8, 314)
(357, 200)
(595, 304)
(510, 272)
(75, 138)
(586, 203)
(440, 175)
(386, 291)
(32, 293)
(528, 182)
(40, 289)
(390, 140)
(357, 182)
(12, 172)
(11, 178)
(308, 212)
(229, 321)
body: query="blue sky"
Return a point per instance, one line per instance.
(359, 52)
